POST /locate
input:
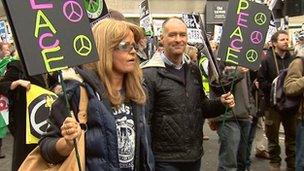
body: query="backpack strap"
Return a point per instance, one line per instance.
(275, 61)
(83, 106)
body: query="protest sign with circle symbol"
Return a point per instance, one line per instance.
(260, 18)
(72, 11)
(38, 114)
(252, 55)
(82, 45)
(256, 37)
(94, 8)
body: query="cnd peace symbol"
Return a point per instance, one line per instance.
(260, 18)
(94, 8)
(82, 45)
(252, 55)
(38, 109)
(72, 11)
(256, 37)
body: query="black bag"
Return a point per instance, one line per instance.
(278, 98)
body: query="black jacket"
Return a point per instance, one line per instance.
(268, 71)
(176, 111)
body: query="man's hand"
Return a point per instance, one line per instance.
(228, 100)
(242, 69)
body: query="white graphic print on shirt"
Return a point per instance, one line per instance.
(125, 136)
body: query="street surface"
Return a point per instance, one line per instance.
(209, 160)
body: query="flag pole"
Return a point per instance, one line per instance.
(68, 109)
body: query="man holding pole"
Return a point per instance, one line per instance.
(177, 103)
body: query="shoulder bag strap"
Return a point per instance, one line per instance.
(275, 60)
(83, 105)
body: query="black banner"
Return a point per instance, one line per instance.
(244, 33)
(51, 35)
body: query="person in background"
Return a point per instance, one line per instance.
(14, 85)
(191, 54)
(117, 135)
(7, 54)
(159, 48)
(277, 58)
(175, 90)
(299, 48)
(141, 46)
(214, 47)
(233, 126)
(3, 52)
(294, 86)
(6, 49)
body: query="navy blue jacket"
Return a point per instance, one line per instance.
(101, 137)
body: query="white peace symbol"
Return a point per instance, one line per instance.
(37, 126)
(251, 55)
(84, 45)
(260, 18)
(256, 37)
(72, 11)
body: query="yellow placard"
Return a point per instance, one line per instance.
(38, 106)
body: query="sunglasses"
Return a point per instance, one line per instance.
(126, 46)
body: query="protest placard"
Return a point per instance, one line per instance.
(193, 28)
(145, 19)
(38, 107)
(51, 35)
(244, 33)
(96, 9)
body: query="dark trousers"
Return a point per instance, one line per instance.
(251, 136)
(272, 125)
(300, 146)
(178, 166)
(233, 138)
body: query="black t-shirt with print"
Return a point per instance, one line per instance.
(125, 128)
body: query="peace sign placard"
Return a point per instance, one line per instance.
(244, 33)
(96, 10)
(38, 107)
(52, 35)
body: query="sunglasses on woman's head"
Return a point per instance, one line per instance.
(126, 46)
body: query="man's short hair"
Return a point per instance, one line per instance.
(170, 18)
(274, 37)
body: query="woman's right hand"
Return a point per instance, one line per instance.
(70, 130)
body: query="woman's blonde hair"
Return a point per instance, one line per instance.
(108, 33)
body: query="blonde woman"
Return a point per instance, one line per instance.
(117, 134)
